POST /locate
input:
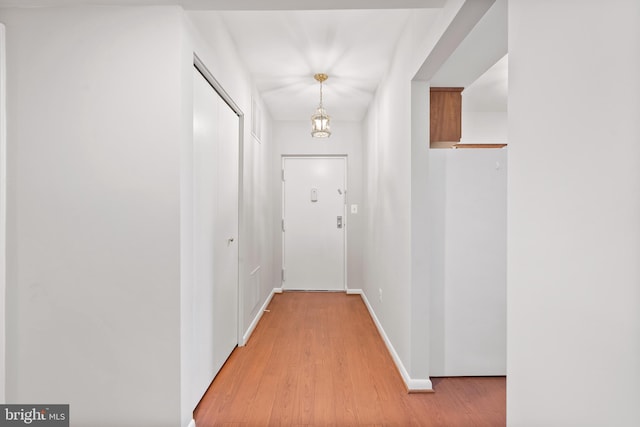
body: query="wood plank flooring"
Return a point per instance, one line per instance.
(316, 359)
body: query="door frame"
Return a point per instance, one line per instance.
(208, 76)
(345, 221)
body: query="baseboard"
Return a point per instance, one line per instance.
(254, 323)
(413, 385)
(277, 290)
(355, 292)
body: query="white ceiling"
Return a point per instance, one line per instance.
(240, 4)
(284, 49)
(480, 64)
(485, 44)
(284, 43)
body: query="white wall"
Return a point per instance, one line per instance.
(215, 47)
(206, 36)
(294, 138)
(93, 275)
(484, 126)
(388, 196)
(420, 238)
(574, 214)
(99, 148)
(3, 211)
(437, 222)
(396, 159)
(468, 256)
(395, 176)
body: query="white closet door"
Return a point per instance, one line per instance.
(225, 315)
(215, 183)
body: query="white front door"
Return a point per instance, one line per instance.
(314, 196)
(215, 224)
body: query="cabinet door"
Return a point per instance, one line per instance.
(446, 114)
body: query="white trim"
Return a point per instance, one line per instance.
(256, 120)
(202, 68)
(3, 211)
(278, 290)
(355, 292)
(192, 423)
(413, 385)
(254, 323)
(345, 222)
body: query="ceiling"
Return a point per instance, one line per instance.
(479, 64)
(485, 44)
(240, 4)
(284, 49)
(283, 43)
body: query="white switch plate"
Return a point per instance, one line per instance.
(354, 209)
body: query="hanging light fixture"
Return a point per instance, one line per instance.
(320, 127)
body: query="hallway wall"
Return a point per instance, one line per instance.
(294, 138)
(484, 127)
(93, 313)
(397, 265)
(574, 214)
(215, 48)
(388, 283)
(100, 117)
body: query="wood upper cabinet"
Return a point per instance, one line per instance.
(446, 116)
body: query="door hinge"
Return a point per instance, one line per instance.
(283, 175)
(283, 225)
(283, 276)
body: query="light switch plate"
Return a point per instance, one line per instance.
(354, 209)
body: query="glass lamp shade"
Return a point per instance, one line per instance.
(320, 126)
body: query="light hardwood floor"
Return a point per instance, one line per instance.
(316, 359)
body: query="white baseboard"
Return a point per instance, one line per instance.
(354, 291)
(254, 323)
(412, 384)
(278, 290)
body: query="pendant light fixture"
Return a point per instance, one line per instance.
(320, 127)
